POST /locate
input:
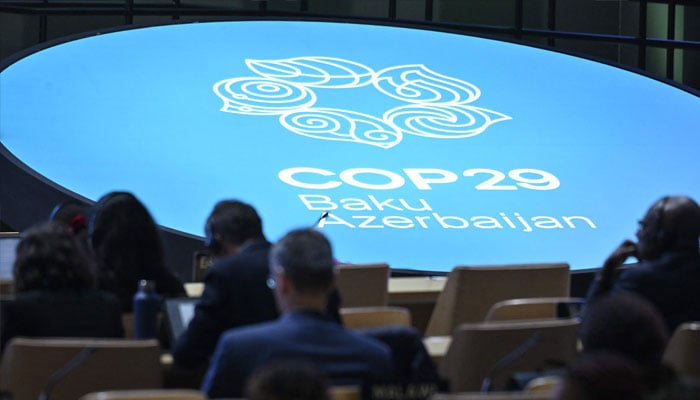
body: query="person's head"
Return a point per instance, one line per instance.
(71, 214)
(50, 258)
(602, 376)
(288, 380)
(229, 226)
(125, 239)
(672, 223)
(626, 324)
(301, 264)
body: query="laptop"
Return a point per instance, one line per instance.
(8, 244)
(178, 314)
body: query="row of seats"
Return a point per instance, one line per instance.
(492, 349)
(368, 284)
(468, 294)
(466, 314)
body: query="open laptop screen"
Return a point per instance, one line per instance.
(8, 243)
(178, 312)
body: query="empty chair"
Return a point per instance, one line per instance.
(146, 394)
(535, 308)
(372, 317)
(683, 350)
(69, 368)
(491, 352)
(471, 291)
(363, 285)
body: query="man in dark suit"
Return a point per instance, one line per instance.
(668, 274)
(301, 271)
(235, 291)
(235, 286)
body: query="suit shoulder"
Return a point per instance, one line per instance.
(370, 344)
(261, 332)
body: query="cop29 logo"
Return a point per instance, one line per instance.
(432, 105)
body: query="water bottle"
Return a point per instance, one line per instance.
(146, 308)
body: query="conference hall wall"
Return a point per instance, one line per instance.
(423, 148)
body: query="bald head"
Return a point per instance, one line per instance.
(672, 223)
(682, 218)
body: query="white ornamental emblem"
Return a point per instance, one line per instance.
(434, 105)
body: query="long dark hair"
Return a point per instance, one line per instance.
(50, 258)
(125, 241)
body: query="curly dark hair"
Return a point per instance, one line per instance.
(50, 258)
(627, 324)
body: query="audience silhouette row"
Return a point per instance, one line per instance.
(266, 305)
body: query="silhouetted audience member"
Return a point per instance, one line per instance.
(73, 215)
(127, 248)
(627, 324)
(235, 291)
(56, 291)
(302, 275)
(235, 285)
(288, 381)
(668, 274)
(602, 376)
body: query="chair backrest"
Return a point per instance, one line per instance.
(27, 366)
(345, 393)
(372, 317)
(544, 384)
(535, 308)
(363, 285)
(497, 350)
(7, 287)
(147, 394)
(471, 291)
(683, 350)
(492, 396)
(128, 324)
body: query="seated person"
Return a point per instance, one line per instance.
(627, 324)
(56, 291)
(623, 338)
(302, 275)
(235, 291)
(668, 273)
(72, 214)
(127, 248)
(235, 286)
(602, 376)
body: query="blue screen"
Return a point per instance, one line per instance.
(427, 149)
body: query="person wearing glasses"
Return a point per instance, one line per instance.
(236, 291)
(302, 276)
(668, 272)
